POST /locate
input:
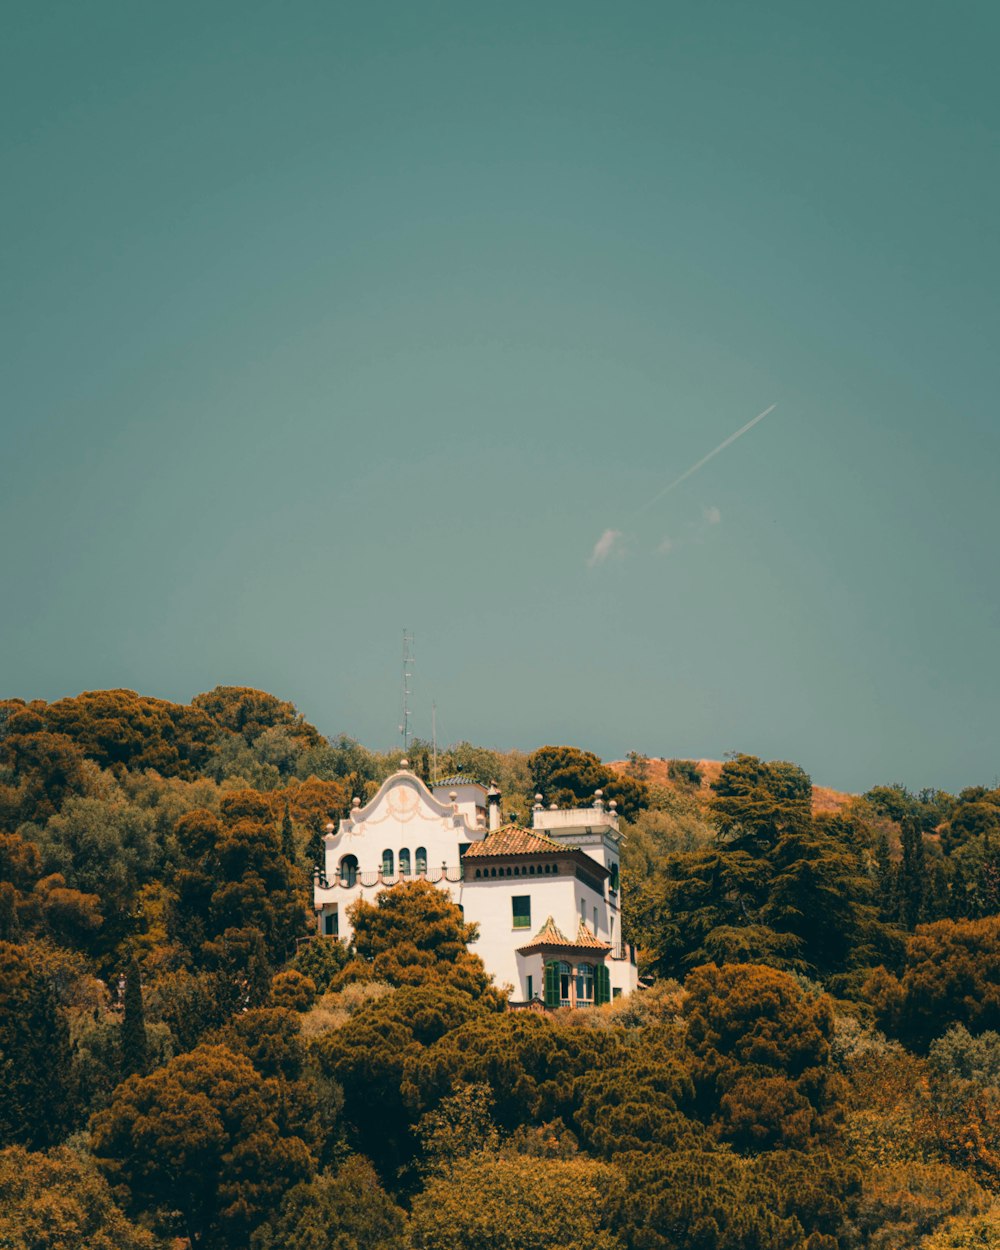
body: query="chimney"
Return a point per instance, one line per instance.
(493, 804)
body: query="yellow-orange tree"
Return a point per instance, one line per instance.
(762, 1046)
(950, 975)
(519, 1203)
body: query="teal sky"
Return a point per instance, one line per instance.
(322, 320)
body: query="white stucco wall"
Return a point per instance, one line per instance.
(404, 815)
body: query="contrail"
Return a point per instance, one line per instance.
(704, 460)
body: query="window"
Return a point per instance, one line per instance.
(565, 980)
(531, 988)
(404, 863)
(584, 985)
(595, 922)
(614, 879)
(331, 923)
(421, 860)
(558, 982)
(583, 910)
(521, 904)
(348, 870)
(388, 864)
(616, 992)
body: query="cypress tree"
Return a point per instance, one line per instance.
(287, 836)
(912, 884)
(10, 925)
(885, 880)
(134, 1046)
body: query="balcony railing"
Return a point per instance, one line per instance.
(623, 951)
(370, 879)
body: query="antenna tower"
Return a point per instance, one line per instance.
(404, 728)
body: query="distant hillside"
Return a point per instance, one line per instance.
(824, 798)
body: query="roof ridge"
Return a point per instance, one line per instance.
(534, 833)
(511, 839)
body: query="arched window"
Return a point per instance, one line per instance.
(348, 870)
(388, 863)
(421, 860)
(584, 985)
(558, 983)
(404, 862)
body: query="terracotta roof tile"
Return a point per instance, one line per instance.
(512, 840)
(550, 935)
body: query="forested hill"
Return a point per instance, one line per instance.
(813, 1062)
(680, 774)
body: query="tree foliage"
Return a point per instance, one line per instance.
(202, 1136)
(37, 1105)
(519, 1203)
(58, 1201)
(950, 975)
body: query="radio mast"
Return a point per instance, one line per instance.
(404, 728)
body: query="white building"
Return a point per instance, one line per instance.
(546, 899)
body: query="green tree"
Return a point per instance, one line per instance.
(778, 886)
(120, 729)
(36, 1076)
(58, 1201)
(248, 712)
(529, 1062)
(903, 1202)
(414, 934)
(913, 874)
(134, 1044)
(321, 959)
(105, 847)
(757, 803)
(569, 777)
(685, 773)
(950, 975)
(519, 1203)
(200, 1136)
(641, 1103)
(287, 835)
(47, 769)
(762, 1044)
(343, 1210)
(370, 1055)
(461, 1125)
(256, 885)
(679, 1200)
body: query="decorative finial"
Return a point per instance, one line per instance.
(355, 802)
(404, 763)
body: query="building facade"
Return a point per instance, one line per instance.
(546, 900)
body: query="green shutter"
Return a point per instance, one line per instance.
(602, 985)
(552, 983)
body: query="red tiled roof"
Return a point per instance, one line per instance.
(550, 935)
(512, 840)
